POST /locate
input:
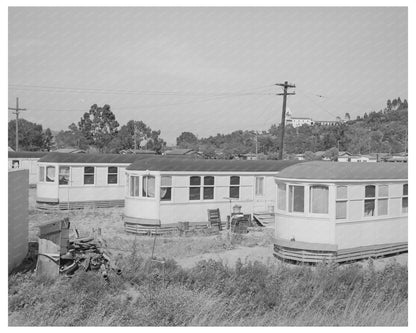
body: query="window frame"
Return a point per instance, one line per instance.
(405, 196)
(256, 189)
(235, 187)
(208, 186)
(341, 200)
(46, 173)
(145, 186)
(311, 198)
(291, 201)
(89, 174)
(112, 174)
(41, 177)
(59, 175)
(162, 187)
(194, 186)
(285, 197)
(132, 186)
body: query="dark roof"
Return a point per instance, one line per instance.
(92, 158)
(179, 164)
(180, 151)
(27, 154)
(345, 171)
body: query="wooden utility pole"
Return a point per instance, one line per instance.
(284, 94)
(17, 111)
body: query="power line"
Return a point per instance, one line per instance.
(56, 89)
(157, 105)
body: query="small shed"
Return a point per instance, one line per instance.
(18, 216)
(341, 211)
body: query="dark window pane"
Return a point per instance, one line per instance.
(234, 180)
(112, 169)
(234, 192)
(15, 164)
(88, 169)
(404, 205)
(88, 179)
(165, 193)
(63, 180)
(195, 180)
(369, 206)
(405, 189)
(370, 191)
(112, 179)
(208, 180)
(208, 193)
(194, 193)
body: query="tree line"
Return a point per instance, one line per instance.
(384, 131)
(98, 130)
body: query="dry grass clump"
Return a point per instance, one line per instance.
(211, 294)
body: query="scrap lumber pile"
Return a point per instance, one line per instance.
(59, 254)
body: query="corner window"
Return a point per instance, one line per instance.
(195, 188)
(318, 199)
(235, 187)
(281, 196)
(148, 187)
(112, 175)
(166, 188)
(208, 187)
(370, 201)
(63, 175)
(405, 199)
(50, 174)
(296, 198)
(134, 186)
(89, 175)
(259, 186)
(41, 174)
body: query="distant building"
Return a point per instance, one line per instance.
(299, 121)
(296, 121)
(137, 151)
(178, 152)
(70, 150)
(344, 156)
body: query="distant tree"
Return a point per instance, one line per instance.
(187, 140)
(47, 139)
(71, 138)
(347, 116)
(31, 136)
(99, 126)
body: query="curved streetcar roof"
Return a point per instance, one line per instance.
(180, 164)
(92, 158)
(345, 171)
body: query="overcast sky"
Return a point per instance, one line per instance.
(205, 70)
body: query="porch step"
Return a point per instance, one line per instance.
(264, 219)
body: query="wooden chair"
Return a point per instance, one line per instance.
(214, 218)
(240, 224)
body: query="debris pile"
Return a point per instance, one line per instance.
(87, 253)
(61, 254)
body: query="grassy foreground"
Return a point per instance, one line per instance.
(212, 294)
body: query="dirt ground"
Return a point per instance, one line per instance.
(187, 250)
